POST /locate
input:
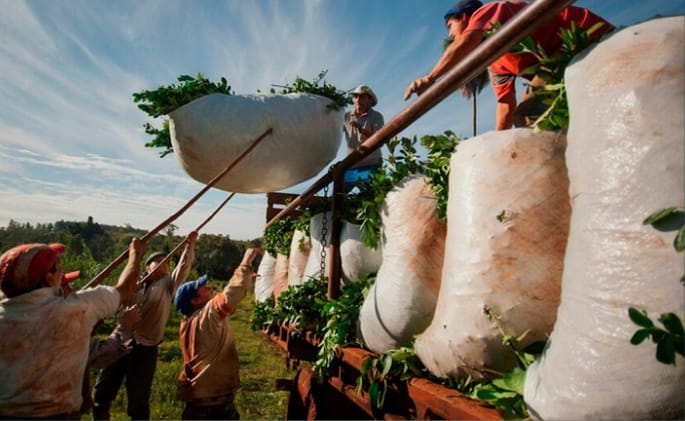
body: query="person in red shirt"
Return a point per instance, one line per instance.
(468, 22)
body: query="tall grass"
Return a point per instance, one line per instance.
(261, 363)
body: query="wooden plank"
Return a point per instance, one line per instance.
(276, 202)
(417, 398)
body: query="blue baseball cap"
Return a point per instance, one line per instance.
(463, 6)
(186, 292)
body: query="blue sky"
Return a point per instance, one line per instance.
(72, 139)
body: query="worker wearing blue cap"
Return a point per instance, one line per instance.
(210, 377)
(468, 21)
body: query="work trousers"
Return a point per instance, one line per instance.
(138, 367)
(356, 175)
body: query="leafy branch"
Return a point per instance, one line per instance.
(340, 98)
(506, 392)
(401, 163)
(671, 339)
(342, 315)
(300, 306)
(278, 236)
(551, 70)
(166, 99)
(376, 373)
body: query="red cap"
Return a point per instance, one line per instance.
(23, 267)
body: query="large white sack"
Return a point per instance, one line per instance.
(313, 267)
(401, 302)
(507, 226)
(264, 284)
(209, 133)
(625, 161)
(357, 260)
(300, 247)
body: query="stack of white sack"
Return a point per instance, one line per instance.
(300, 247)
(507, 226)
(209, 133)
(356, 260)
(625, 161)
(264, 284)
(401, 302)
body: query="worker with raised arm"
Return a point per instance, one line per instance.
(45, 335)
(469, 22)
(210, 375)
(138, 367)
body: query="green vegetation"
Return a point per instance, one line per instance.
(671, 339)
(364, 208)
(341, 316)
(336, 326)
(551, 70)
(402, 162)
(165, 99)
(340, 99)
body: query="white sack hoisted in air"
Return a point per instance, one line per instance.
(209, 133)
(625, 161)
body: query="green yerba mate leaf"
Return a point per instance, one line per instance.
(659, 215)
(672, 323)
(679, 241)
(665, 351)
(640, 318)
(640, 336)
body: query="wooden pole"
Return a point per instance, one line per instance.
(106, 271)
(185, 240)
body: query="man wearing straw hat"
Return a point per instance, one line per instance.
(359, 124)
(210, 376)
(45, 335)
(138, 367)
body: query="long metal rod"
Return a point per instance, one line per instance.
(513, 31)
(106, 271)
(185, 240)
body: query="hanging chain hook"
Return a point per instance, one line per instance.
(324, 229)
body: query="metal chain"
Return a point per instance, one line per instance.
(324, 230)
(324, 233)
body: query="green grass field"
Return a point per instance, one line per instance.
(261, 363)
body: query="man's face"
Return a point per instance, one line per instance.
(455, 25)
(164, 268)
(362, 102)
(54, 277)
(203, 294)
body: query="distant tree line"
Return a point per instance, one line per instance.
(92, 246)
